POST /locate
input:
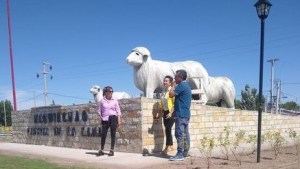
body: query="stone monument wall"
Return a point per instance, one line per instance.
(79, 126)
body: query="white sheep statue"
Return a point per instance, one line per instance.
(148, 77)
(220, 90)
(98, 94)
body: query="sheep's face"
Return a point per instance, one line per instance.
(95, 89)
(138, 56)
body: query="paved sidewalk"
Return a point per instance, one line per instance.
(83, 156)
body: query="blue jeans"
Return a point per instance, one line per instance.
(182, 135)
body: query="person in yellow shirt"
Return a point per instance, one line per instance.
(167, 108)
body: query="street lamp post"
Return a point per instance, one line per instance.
(262, 8)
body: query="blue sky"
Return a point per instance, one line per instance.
(87, 43)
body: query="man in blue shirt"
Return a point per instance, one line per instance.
(183, 97)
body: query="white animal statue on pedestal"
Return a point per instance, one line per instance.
(148, 77)
(98, 94)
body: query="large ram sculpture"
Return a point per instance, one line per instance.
(148, 77)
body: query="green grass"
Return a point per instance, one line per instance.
(13, 162)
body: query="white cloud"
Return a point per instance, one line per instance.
(25, 99)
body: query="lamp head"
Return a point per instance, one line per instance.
(263, 8)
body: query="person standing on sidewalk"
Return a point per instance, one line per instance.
(183, 98)
(110, 114)
(167, 108)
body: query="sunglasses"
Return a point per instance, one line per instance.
(110, 91)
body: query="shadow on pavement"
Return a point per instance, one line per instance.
(92, 153)
(158, 154)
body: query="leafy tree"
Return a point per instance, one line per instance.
(8, 110)
(249, 100)
(237, 104)
(291, 105)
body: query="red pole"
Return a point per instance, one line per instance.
(11, 57)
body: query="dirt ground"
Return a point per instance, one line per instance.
(287, 159)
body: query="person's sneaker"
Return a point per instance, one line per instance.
(177, 158)
(186, 155)
(111, 153)
(100, 153)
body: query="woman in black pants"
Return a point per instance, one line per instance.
(167, 107)
(110, 114)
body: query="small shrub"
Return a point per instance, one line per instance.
(252, 139)
(239, 138)
(206, 147)
(265, 138)
(296, 139)
(276, 141)
(225, 142)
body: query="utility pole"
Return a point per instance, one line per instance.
(11, 56)
(278, 88)
(272, 61)
(45, 73)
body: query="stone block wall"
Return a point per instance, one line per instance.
(210, 121)
(79, 125)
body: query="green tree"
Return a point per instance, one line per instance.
(249, 100)
(291, 105)
(237, 104)
(8, 109)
